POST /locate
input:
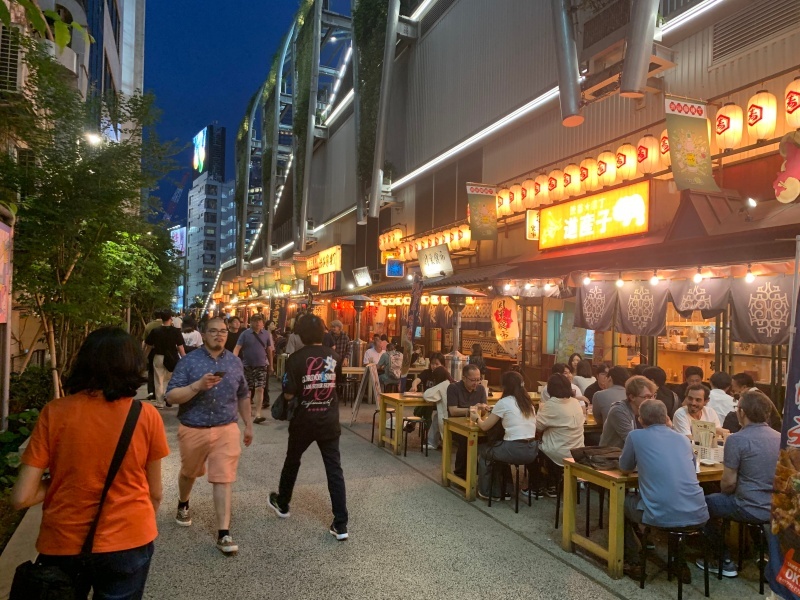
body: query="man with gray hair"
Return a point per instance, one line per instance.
(337, 340)
(622, 416)
(460, 396)
(669, 493)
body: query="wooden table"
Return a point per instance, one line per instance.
(399, 402)
(353, 371)
(616, 483)
(461, 426)
(591, 426)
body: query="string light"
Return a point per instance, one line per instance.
(528, 285)
(749, 278)
(547, 287)
(507, 287)
(654, 279)
(620, 283)
(587, 280)
(698, 277)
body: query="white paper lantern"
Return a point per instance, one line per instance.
(647, 156)
(466, 237)
(515, 198)
(791, 104)
(607, 168)
(728, 126)
(503, 202)
(555, 185)
(572, 180)
(663, 149)
(542, 194)
(626, 162)
(529, 193)
(761, 116)
(589, 177)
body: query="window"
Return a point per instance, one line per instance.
(206, 286)
(108, 80)
(211, 231)
(209, 273)
(114, 17)
(211, 203)
(210, 245)
(210, 217)
(9, 60)
(209, 259)
(211, 190)
(554, 318)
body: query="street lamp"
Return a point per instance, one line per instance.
(359, 303)
(457, 297)
(94, 139)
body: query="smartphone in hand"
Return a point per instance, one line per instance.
(219, 374)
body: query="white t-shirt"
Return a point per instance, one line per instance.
(372, 356)
(682, 422)
(721, 402)
(583, 382)
(576, 391)
(517, 426)
(193, 338)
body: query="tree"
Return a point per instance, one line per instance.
(77, 170)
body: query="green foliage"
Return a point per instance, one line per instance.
(19, 428)
(61, 32)
(369, 24)
(31, 389)
(304, 47)
(81, 245)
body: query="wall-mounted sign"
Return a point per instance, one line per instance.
(395, 268)
(327, 261)
(387, 254)
(482, 211)
(620, 212)
(435, 261)
(285, 271)
(532, 224)
(362, 276)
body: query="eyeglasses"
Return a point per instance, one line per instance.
(478, 380)
(647, 397)
(217, 331)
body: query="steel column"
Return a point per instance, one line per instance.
(361, 205)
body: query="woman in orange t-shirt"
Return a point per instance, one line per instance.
(75, 438)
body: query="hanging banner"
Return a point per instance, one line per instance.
(5, 271)
(710, 296)
(642, 308)
(689, 145)
(482, 200)
(783, 571)
(760, 310)
(532, 224)
(595, 304)
(277, 308)
(414, 307)
(506, 324)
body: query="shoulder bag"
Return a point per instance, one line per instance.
(283, 409)
(33, 581)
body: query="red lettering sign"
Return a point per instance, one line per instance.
(754, 114)
(723, 124)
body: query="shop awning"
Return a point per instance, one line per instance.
(486, 274)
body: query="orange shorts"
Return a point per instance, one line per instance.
(219, 446)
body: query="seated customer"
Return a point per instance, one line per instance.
(560, 420)
(750, 459)
(719, 400)
(437, 395)
(460, 396)
(691, 376)
(425, 378)
(374, 352)
(563, 369)
(584, 377)
(518, 446)
(603, 382)
(602, 401)
(670, 399)
(695, 409)
(669, 493)
(389, 367)
(741, 383)
(623, 416)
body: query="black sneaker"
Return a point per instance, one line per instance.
(183, 517)
(283, 513)
(339, 532)
(265, 404)
(728, 567)
(551, 492)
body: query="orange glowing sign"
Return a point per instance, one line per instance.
(619, 212)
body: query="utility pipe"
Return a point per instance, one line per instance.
(638, 48)
(569, 85)
(361, 204)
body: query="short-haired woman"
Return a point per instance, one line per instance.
(437, 394)
(75, 438)
(516, 413)
(584, 377)
(561, 422)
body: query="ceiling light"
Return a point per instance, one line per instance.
(749, 278)
(619, 282)
(350, 286)
(654, 279)
(547, 287)
(587, 280)
(698, 277)
(507, 287)
(410, 277)
(752, 203)
(528, 285)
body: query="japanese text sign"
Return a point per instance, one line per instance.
(435, 261)
(506, 323)
(620, 212)
(327, 261)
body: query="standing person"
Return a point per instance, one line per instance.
(669, 493)
(518, 446)
(603, 382)
(254, 347)
(623, 416)
(234, 331)
(750, 459)
(338, 341)
(75, 438)
(602, 401)
(166, 344)
(476, 358)
(294, 342)
(583, 375)
(211, 391)
(311, 378)
(460, 396)
(151, 383)
(192, 339)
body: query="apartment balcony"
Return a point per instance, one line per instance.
(67, 57)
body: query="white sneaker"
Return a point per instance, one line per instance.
(226, 545)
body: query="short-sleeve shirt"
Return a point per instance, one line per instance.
(254, 346)
(516, 425)
(620, 421)
(165, 341)
(602, 401)
(230, 341)
(310, 376)
(459, 397)
(753, 454)
(682, 421)
(426, 378)
(219, 405)
(75, 437)
(670, 494)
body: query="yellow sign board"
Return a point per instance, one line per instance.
(532, 224)
(620, 212)
(330, 260)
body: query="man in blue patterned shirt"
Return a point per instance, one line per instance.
(210, 390)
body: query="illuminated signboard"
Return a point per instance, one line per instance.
(395, 268)
(178, 236)
(532, 224)
(435, 261)
(362, 276)
(327, 261)
(620, 212)
(200, 145)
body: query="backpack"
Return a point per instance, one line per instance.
(395, 364)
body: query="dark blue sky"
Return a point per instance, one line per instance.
(204, 59)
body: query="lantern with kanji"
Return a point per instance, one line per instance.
(728, 126)
(542, 194)
(647, 157)
(515, 198)
(555, 185)
(503, 206)
(607, 168)
(589, 177)
(466, 237)
(761, 116)
(572, 180)
(626, 162)
(663, 149)
(791, 103)
(528, 193)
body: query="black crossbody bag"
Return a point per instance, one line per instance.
(34, 581)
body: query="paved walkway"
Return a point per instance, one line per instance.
(410, 537)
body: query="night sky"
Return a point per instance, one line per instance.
(204, 59)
